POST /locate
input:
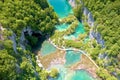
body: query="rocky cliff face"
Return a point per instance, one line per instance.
(88, 14)
(72, 3)
(23, 41)
(93, 34)
(13, 38)
(1, 30)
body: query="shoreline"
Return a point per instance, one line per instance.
(78, 65)
(74, 49)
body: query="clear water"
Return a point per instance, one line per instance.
(79, 30)
(62, 27)
(61, 7)
(62, 72)
(80, 75)
(47, 48)
(72, 57)
(66, 74)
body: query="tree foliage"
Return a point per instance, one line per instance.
(7, 66)
(18, 14)
(15, 15)
(106, 14)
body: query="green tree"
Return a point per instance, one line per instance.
(78, 11)
(54, 73)
(7, 66)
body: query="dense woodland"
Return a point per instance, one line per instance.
(107, 21)
(14, 16)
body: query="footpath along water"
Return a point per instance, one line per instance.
(63, 9)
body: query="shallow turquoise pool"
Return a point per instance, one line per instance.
(62, 27)
(47, 48)
(62, 72)
(79, 30)
(80, 75)
(61, 7)
(66, 74)
(72, 57)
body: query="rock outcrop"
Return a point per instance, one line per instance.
(23, 41)
(13, 38)
(1, 30)
(90, 20)
(72, 3)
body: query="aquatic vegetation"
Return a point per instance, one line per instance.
(62, 27)
(69, 19)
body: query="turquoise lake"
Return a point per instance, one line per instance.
(47, 48)
(72, 57)
(79, 30)
(61, 7)
(66, 74)
(81, 75)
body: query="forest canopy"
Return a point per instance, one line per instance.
(15, 15)
(107, 18)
